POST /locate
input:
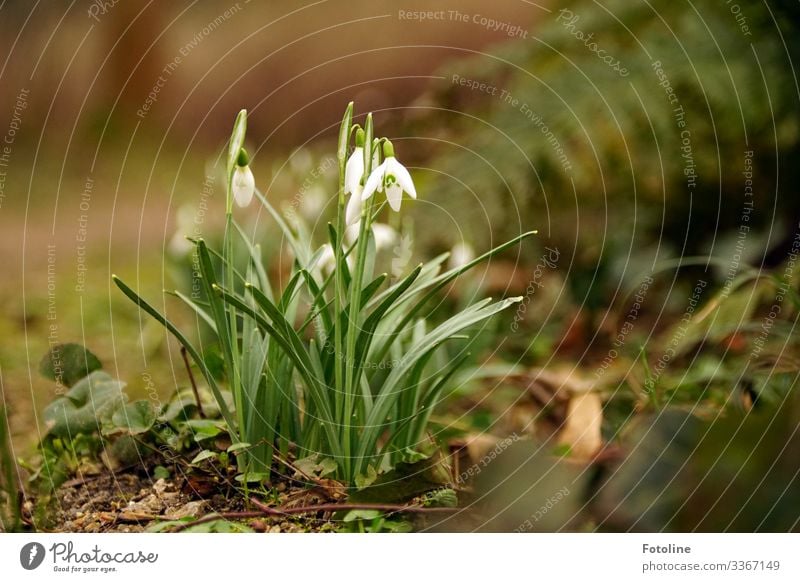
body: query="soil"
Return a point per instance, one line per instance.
(133, 502)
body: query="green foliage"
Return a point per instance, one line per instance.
(626, 186)
(67, 363)
(11, 492)
(340, 363)
(86, 406)
(736, 472)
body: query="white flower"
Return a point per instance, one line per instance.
(179, 246)
(460, 255)
(352, 215)
(326, 261)
(354, 170)
(313, 202)
(243, 185)
(385, 236)
(392, 176)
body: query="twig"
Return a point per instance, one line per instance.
(215, 516)
(194, 384)
(388, 507)
(265, 510)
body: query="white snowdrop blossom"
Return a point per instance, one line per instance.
(327, 260)
(178, 245)
(354, 205)
(243, 185)
(354, 171)
(392, 177)
(353, 215)
(461, 254)
(385, 236)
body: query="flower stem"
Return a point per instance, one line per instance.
(339, 290)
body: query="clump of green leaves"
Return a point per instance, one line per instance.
(341, 363)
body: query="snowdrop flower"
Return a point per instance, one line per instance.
(385, 236)
(243, 184)
(392, 176)
(313, 202)
(178, 245)
(353, 215)
(327, 260)
(354, 169)
(461, 254)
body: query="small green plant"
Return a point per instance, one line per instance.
(92, 419)
(341, 363)
(11, 493)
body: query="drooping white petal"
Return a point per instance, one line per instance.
(385, 235)
(313, 202)
(460, 255)
(327, 260)
(374, 182)
(353, 211)
(243, 185)
(354, 170)
(351, 233)
(403, 177)
(184, 226)
(394, 195)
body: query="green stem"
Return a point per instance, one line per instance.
(339, 284)
(353, 327)
(236, 384)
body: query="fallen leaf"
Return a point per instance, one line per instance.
(581, 432)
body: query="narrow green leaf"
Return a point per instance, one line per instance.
(212, 383)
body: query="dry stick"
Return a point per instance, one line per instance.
(194, 384)
(388, 507)
(265, 510)
(215, 516)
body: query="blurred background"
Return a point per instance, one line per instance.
(654, 145)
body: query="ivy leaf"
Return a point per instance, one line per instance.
(404, 482)
(316, 466)
(67, 363)
(202, 456)
(134, 418)
(86, 407)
